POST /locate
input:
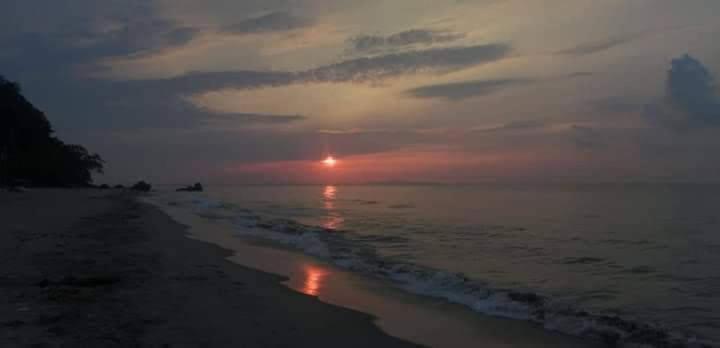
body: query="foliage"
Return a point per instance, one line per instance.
(29, 152)
(142, 187)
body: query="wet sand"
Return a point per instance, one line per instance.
(419, 319)
(87, 268)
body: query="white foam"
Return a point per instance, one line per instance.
(205, 203)
(309, 243)
(455, 288)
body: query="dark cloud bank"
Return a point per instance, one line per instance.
(691, 97)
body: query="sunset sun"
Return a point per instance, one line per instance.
(329, 161)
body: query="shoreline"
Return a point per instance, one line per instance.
(420, 319)
(95, 268)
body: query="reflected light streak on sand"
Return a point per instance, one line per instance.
(314, 278)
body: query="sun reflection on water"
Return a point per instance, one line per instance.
(314, 279)
(333, 219)
(329, 193)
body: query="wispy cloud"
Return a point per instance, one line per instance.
(596, 46)
(389, 65)
(580, 74)
(380, 131)
(515, 126)
(359, 70)
(168, 99)
(207, 81)
(616, 104)
(464, 90)
(255, 118)
(271, 22)
(375, 43)
(181, 35)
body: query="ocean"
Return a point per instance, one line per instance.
(636, 263)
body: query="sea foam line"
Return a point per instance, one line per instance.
(453, 287)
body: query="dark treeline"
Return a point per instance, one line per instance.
(30, 154)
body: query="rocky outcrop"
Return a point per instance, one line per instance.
(193, 188)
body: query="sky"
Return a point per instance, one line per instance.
(454, 91)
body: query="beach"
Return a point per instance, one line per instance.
(104, 269)
(425, 320)
(90, 268)
(248, 173)
(600, 271)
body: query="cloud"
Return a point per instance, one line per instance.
(373, 43)
(478, 88)
(380, 67)
(134, 28)
(380, 131)
(691, 97)
(351, 131)
(616, 104)
(354, 70)
(596, 47)
(271, 22)
(180, 36)
(253, 118)
(464, 90)
(151, 103)
(525, 125)
(359, 70)
(80, 36)
(198, 82)
(246, 145)
(580, 74)
(691, 88)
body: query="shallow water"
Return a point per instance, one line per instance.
(419, 319)
(645, 253)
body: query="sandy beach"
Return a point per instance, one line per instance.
(415, 318)
(89, 268)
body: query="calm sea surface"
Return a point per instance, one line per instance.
(650, 253)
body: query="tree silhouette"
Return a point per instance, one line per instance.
(29, 152)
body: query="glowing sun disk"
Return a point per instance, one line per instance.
(329, 161)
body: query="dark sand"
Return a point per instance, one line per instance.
(86, 268)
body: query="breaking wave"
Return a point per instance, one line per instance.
(356, 256)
